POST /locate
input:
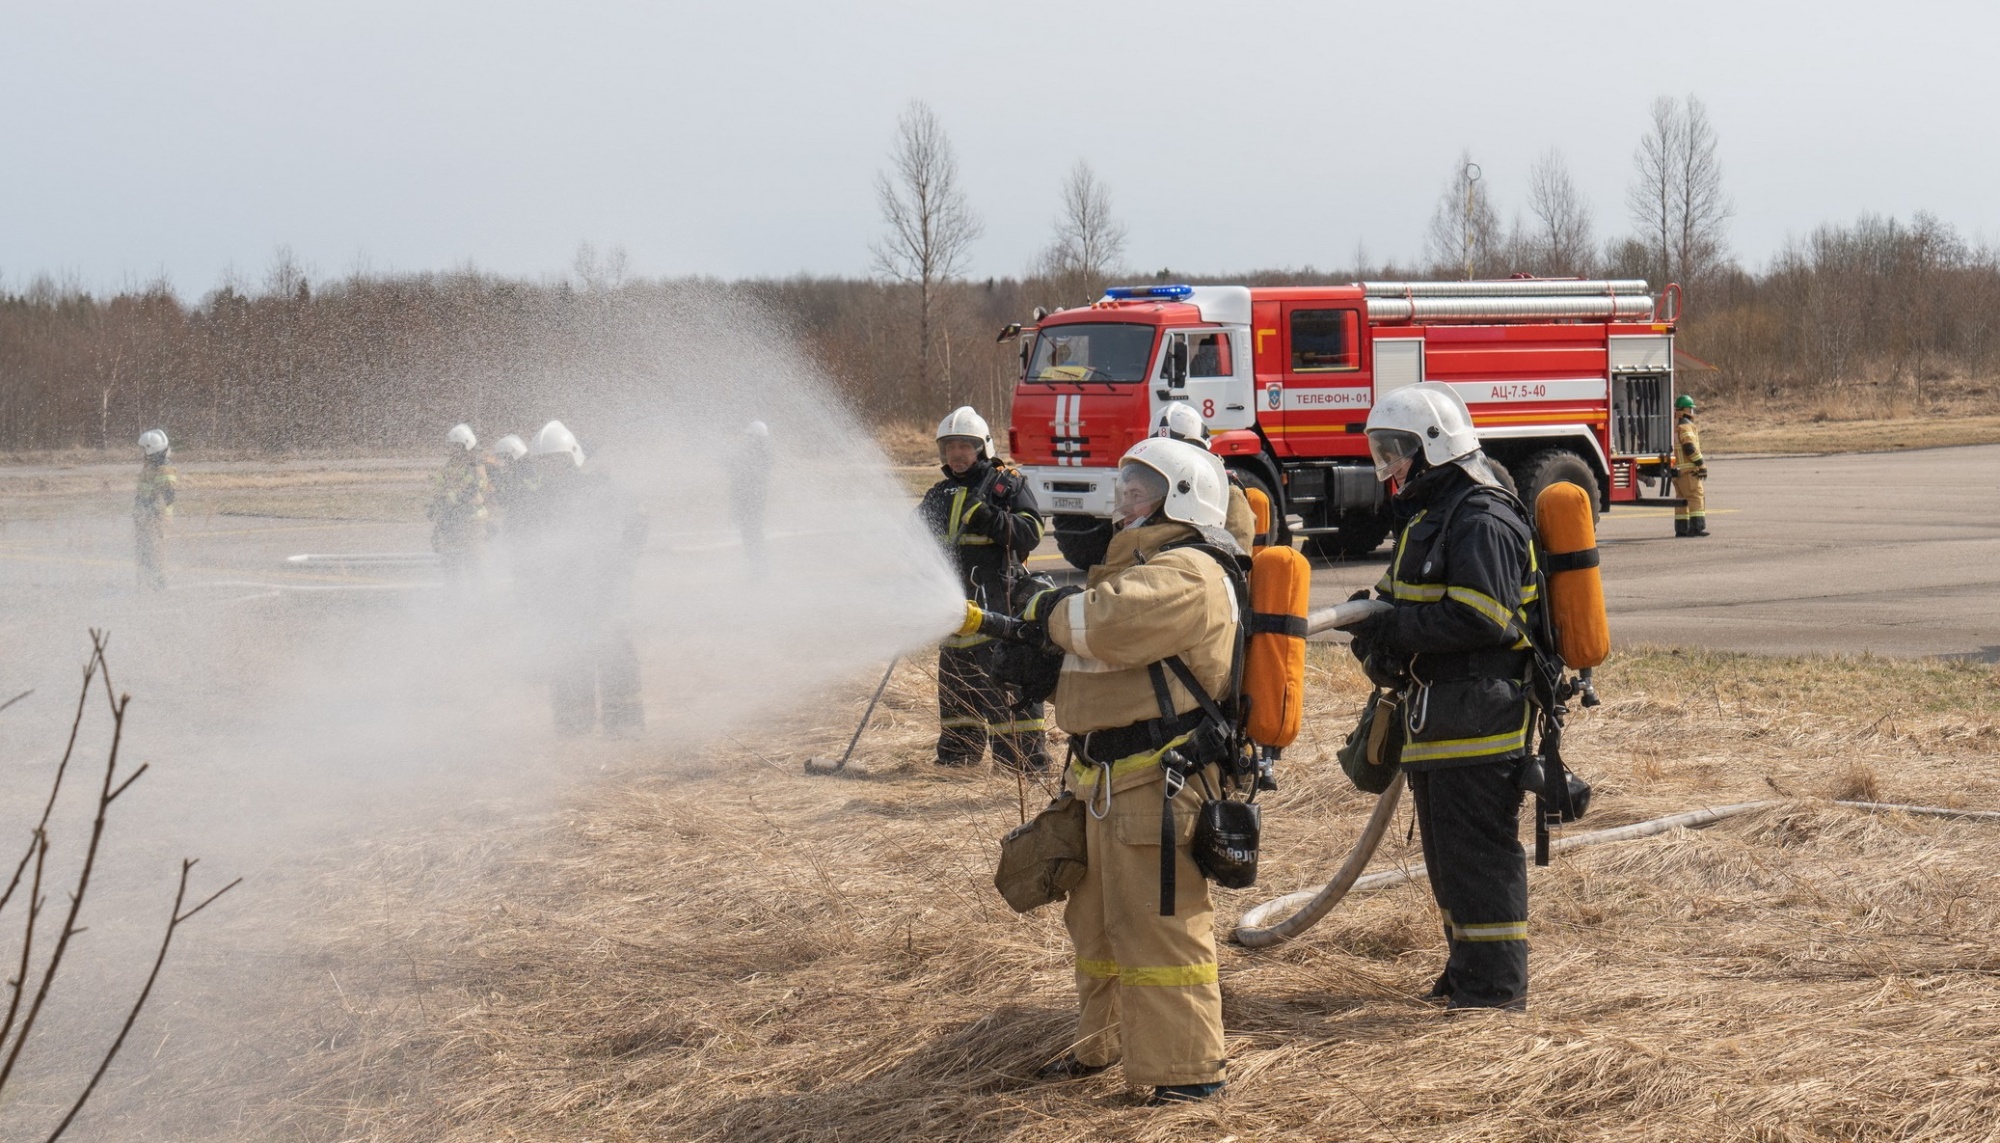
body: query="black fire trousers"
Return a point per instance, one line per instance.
(972, 711)
(1470, 820)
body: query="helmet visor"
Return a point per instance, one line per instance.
(1392, 451)
(1141, 491)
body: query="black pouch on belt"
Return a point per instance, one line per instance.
(1226, 836)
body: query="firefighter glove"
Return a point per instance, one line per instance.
(1701, 472)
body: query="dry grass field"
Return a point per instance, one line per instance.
(713, 946)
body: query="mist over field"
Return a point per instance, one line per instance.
(291, 711)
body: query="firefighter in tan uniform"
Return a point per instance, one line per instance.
(1690, 472)
(152, 505)
(1147, 982)
(458, 507)
(1180, 422)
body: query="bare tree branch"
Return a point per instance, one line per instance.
(1464, 238)
(1562, 243)
(175, 918)
(1089, 244)
(931, 227)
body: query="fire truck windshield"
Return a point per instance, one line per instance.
(1094, 351)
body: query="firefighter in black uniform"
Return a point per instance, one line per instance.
(986, 517)
(1462, 580)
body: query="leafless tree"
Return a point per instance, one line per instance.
(1089, 243)
(1465, 237)
(931, 228)
(35, 971)
(1561, 242)
(1676, 198)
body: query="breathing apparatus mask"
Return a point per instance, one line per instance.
(1141, 490)
(1396, 455)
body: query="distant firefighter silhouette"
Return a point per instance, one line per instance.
(576, 542)
(152, 505)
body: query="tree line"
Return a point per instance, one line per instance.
(374, 361)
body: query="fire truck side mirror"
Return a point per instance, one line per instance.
(1177, 364)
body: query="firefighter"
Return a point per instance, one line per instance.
(1462, 581)
(1146, 983)
(749, 478)
(152, 506)
(1180, 422)
(986, 517)
(458, 507)
(1690, 472)
(575, 543)
(505, 471)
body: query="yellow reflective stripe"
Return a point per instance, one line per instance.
(1098, 969)
(1131, 763)
(1382, 585)
(1467, 747)
(1169, 975)
(973, 541)
(1036, 521)
(1023, 726)
(1498, 931)
(1481, 602)
(1416, 592)
(1530, 592)
(957, 519)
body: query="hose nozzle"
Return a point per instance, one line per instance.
(992, 624)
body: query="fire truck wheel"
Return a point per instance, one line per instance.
(1085, 544)
(1553, 465)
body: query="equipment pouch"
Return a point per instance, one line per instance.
(1372, 756)
(1226, 836)
(1043, 858)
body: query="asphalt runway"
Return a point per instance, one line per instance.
(1891, 553)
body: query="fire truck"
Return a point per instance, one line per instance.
(1567, 379)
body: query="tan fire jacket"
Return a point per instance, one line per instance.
(1142, 605)
(1242, 521)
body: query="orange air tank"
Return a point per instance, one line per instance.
(1576, 589)
(1274, 664)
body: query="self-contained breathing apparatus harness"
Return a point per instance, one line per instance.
(1560, 796)
(1227, 831)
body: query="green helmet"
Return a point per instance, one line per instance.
(1683, 402)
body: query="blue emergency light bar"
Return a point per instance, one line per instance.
(1170, 292)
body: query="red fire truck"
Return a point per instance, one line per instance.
(1567, 379)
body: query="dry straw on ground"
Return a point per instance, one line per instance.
(718, 947)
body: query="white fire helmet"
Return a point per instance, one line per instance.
(153, 442)
(1197, 489)
(510, 447)
(1179, 421)
(1430, 417)
(553, 439)
(461, 435)
(963, 422)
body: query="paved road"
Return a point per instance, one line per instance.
(1894, 553)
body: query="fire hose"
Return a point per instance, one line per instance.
(1257, 930)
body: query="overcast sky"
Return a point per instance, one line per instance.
(743, 139)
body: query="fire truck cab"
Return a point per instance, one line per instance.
(1566, 379)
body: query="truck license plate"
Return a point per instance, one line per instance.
(1075, 502)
